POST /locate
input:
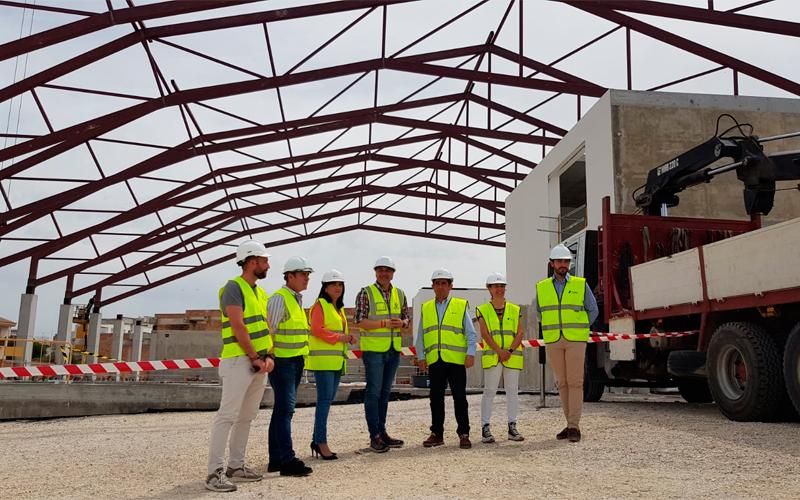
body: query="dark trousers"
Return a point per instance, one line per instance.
(441, 375)
(380, 368)
(284, 379)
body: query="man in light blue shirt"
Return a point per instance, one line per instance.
(446, 367)
(589, 301)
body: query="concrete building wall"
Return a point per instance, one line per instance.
(652, 128)
(527, 248)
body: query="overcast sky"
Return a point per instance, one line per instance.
(551, 30)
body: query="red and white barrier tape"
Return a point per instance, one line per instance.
(106, 368)
(184, 364)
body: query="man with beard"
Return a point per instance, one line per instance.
(566, 309)
(246, 359)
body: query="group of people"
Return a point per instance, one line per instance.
(272, 338)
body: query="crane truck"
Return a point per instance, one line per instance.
(733, 283)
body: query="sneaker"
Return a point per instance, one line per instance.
(513, 433)
(273, 466)
(486, 434)
(574, 435)
(433, 440)
(563, 434)
(218, 481)
(295, 468)
(391, 442)
(463, 442)
(244, 474)
(378, 445)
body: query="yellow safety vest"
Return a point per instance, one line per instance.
(321, 354)
(381, 339)
(503, 335)
(254, 314)
(291, 335)
(444, 337)
(567, 316)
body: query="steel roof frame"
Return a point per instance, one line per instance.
(455, 193)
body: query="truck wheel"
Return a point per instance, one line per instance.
(791, 366)
(685, 363)
(593, 391)
(744, 372)
(695, 390)
(593, 388)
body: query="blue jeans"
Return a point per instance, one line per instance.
(284, 379)
(380, 368)
(327, 382)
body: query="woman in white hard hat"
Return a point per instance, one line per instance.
(501, 330)
(327, 354)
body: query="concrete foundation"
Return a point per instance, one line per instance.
(93, 336)
(26, 327)
(64, 332)
(30, 400)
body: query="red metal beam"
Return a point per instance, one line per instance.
(577, 88)
(99, 21)
(226, 218)
(599, 9)
(275, 243)
(172, 229)
(696, 14)
(161, 201)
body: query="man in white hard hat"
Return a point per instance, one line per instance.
(381, 312)
(566, 308)
(445, 347)
(289, 325)
(246, 359)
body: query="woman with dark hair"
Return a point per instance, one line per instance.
(327, 354)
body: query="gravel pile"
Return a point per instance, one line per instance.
(633, 446)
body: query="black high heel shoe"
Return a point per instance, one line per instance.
(316, 452)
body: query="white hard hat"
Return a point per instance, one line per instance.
(560, 252)
(385, 262)
(496, 279)
(442, 274)
(250, 248)
(297, 264)
(332, 276)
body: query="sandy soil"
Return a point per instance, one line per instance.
(633, 446)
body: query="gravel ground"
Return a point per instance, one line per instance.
(633, 446)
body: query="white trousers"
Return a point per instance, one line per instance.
(242, 391)
(491, 381)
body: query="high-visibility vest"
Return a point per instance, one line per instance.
(566, 316)
(321, 354)
(444, 338)
(381, 339)
(503, 335)
(291, 335)
(254, 314)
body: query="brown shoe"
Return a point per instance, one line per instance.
(433, 440)
(464, 442)
(563, 434)
(391, 442)
(574, 435)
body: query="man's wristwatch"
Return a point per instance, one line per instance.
(252, 356)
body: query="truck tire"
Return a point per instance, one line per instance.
(791, 366)
(593, 387)
(593, 391)
(695, 390)
(685, 363)
(744, 372)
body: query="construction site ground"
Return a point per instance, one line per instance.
(651, 446)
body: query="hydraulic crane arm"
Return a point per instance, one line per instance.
(757, 171)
